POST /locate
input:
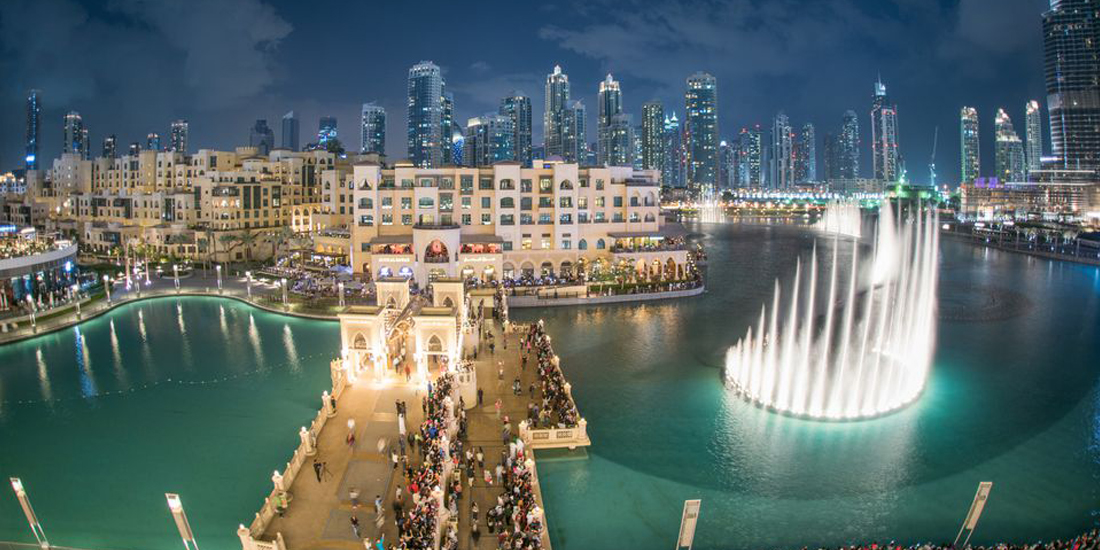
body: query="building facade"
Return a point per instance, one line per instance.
(289, 139)
(1010, 161)
(489, 140)
(1071, 49)
(1033, 135)
(884, 136)
(970, 143)
(34, 115)
(517, 107)
(701, 130)
(177, 136)
(781, 158)
(805, 158)
(849, 144)
(261, 137)
(372, 128)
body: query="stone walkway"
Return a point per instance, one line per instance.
(319, 513)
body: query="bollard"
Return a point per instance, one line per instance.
(326, 405)
(279, 482)
(307, 442)
(246, 538)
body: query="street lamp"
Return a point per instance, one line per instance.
(32, 519)
(30, 302)
(248, 278)
(176, 507)
(340, 288)
(218, 268)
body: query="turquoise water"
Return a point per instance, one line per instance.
(1012, 400)
(100, 422)
(200, 396)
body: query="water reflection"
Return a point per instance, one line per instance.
(254, 338)
(116, 353)
(291, 349)
(84, 366)
(43, 376)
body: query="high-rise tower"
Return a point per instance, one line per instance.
(177, 137)
(1010, 150)
(1071, 48)
(610, 105)
(805, 162)
(781, 154)
(884, 135)
(701, 130)
(34, 112)
(372, 127)
(517, 107)
(653, 129)
(425, 115)
(74, 134)
(848, 146)
(971, 150)
(326, 131)
(291, 129)
(1033, 135)
(672, 161)
(261, 137)
(556, 115)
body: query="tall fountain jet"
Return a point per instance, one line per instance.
(841, 218)
(710, 207)
(872, 351)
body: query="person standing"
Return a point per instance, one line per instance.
(355, 525)
(318, 468)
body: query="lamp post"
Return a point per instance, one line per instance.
(176, 507)
(218, 268)
(340, 289)
(30, 302)
(248, 278)
(107, 287)
(176, 276)
(76, 298)
(32, 519)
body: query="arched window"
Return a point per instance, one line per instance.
(566, 185)
(360, 341)
(649, 201)
(435, 344)
(583, 245)
(634, 200)
(507, 202)
(600, 245)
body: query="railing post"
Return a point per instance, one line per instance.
(246, 538)
(326, 405)
(307, 441)
(280, 544)
(278, 481)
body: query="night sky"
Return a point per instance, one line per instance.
(130, 67)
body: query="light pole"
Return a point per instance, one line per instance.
(30, 302)
(76, 298)
(248, 278)
(32, 519)
(340, 289)
(176, 276)
(285, 305)
(218, 268)
(176, 507)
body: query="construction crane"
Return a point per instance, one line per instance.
(932, 161)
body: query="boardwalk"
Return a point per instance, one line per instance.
(319, 512)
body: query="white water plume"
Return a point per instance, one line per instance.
(841, 218)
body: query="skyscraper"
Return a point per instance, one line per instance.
(446, 124)
(884, 135)
(609, 103)
(489, 139)
(616, 147)
(701, 130)
(1033, 134)
(177, 138)
(970, 138)
(727, 164)
(34, 112)
(425, 115)
(74, 134)
(372, 138)
(261, 137)
(831, 157)
(152, 141)
(517, 107)
(653, 130)
(805, 165)
(781, 154)
(86, 150)
(326, 131)
(1011, 164)
(135, 148)
(110, 147)
(575, 133)
(1071, 47)
(751, 157)
(848, 144)
(672, 160)
(291, 129)
(557, 118)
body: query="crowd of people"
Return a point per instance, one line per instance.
(557, 408)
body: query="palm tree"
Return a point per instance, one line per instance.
(280, 239)
(248, 239)
(227, 240)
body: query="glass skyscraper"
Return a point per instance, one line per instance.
(653, 128)
(781, 154)
(559, 123)
(1071, 48)
(489, 139)
(425, 115)
(1033, 135)
(517, 107)
(701, 130)
(884, 135)
(848, 146)
(1010, 150)
(34, 113)
(372, 127)
(261, 137)
(805, 158)
(177, 139)
(110, 147)
(610, 105)
(971, 150)
(672, 161)
(75, 135)
(152, 141)
(326, 131)
(291, 130)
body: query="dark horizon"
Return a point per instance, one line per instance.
(131, 68)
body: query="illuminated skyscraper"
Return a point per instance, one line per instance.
(152, 141)
(1010, 150)
(177, 138)
(446, 124)
(564, 128)
(831, 157)
(575, 133)
(34, 112)
(750, 157)
(701, 130)
(489, 139)
(135, 148)
(970, 139)
(672, 161)
(1033, 135)
(291, 129)
(610, 104)
(326, 131)
(617, 144)
(781, 154)
(805, 161)
(848, 146)
(517, 107)
(727, 164)
(884, 135)
(74, 135)
(261, 137)
(110, 147)
(372, 127)
(653, 130)
(1071, 46)
(425, 115)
